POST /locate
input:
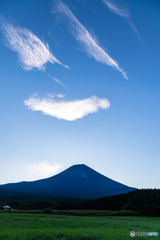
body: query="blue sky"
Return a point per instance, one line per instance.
(80, 84)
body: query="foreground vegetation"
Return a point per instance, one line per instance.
(23, 226)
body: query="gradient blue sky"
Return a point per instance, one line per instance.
(80, 84)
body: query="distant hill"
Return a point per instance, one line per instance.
(78, 182)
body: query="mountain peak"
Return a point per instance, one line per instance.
(77, 181)
(79, 170)
(79, 166)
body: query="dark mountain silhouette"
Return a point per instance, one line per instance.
(78, 181)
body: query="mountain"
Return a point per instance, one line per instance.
(78, 181)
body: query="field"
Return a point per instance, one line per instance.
(32, 226)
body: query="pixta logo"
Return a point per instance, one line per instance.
(132, 234)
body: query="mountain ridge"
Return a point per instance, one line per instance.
(77, 181)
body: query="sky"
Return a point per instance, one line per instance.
(80, 85)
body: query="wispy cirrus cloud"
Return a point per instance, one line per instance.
(32, 52)
(80, 33)
(67, 110)
(57, 80)
(123, 12)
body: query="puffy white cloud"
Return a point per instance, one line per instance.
(43, 169)
(31, 50)
(68, 110)
(84, 37)
(18, 171)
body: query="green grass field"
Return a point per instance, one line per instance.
(22, 226)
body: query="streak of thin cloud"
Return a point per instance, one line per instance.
(67, 110)
(84, 37)
(123, 12)
(57, 80)
(32, 52)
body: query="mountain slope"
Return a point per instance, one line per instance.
(78, 181)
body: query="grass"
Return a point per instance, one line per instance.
(81, 212)
(23, 226)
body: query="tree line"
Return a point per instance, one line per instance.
(144, 201)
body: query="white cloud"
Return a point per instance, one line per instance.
(16, 171)
(123, 12)
(43, 169)
(68, 110)
(59, 95)
(51, 95)
(31, 50)
(84, 37)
